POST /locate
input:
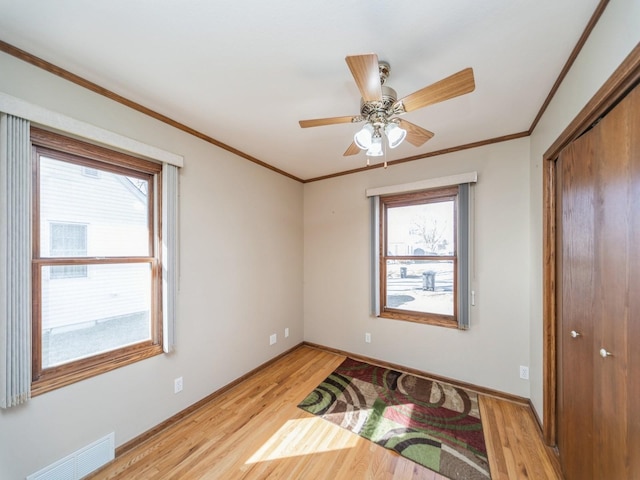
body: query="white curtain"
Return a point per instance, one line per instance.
(15, 259)
(169, 254)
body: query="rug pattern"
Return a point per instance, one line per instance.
(431, 423)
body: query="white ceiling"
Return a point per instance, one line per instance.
(244, 72)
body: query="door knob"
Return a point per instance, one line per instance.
(604, 353)
(574, 334)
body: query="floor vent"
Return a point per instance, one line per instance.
(80, 463)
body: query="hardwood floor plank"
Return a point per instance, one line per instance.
(255, 430)
(514, 443)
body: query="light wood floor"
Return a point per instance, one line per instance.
(256, 431)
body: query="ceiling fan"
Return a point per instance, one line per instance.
(380, 107)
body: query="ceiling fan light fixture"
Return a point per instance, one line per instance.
(379, 106)
(364, 136)
(395, 134)
(375, 149)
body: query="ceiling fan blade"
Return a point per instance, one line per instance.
(352, 150)
(450, 87)
(416, 135)
(319, 122)
(366, 73)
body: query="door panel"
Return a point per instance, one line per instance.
(599, 280)
(575, 376)
(633, 326)
(611, 310)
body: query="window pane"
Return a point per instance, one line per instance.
(425, 229)
(421, 286)
(91, 215)
(68, 271)
(68, 240)
(108, 309)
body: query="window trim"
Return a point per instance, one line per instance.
(92, 156)
(407, 199)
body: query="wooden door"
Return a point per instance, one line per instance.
(575, 326)
(599, 277)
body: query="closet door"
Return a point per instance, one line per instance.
(617, 243)
(599, 368)
(633, 325)
(576, 201)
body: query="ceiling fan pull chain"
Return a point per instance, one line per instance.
(385, 156)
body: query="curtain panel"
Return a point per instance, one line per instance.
(169, 254)
(15, 261)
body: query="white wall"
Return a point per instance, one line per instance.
(240, 281)
(337, 271)
(613, 38)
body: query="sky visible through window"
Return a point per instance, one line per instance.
(427, 226)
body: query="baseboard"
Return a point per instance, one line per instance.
(134, 442)
(468, 386)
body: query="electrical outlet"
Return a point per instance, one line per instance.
(524, 372)
(273, 339)
(367, 337)
(177, 385)
(286, 332)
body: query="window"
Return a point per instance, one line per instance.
(422, 256)
(90, 172)
(68, 240)
(96, 266)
